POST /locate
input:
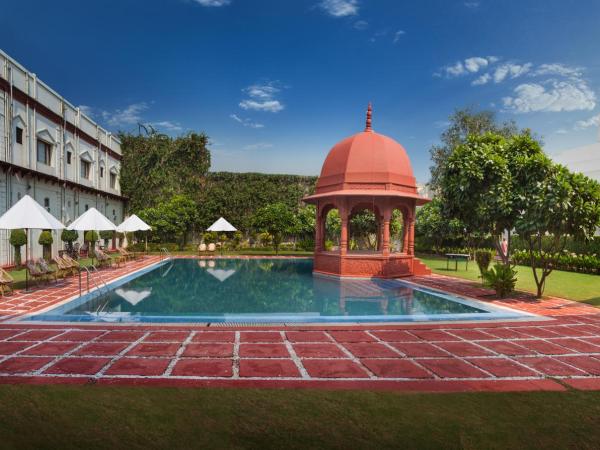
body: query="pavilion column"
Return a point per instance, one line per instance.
(405, 234)
(411, 235)
(318, 231)
(387, 215)
(344, 232)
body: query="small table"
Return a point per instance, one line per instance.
(456, 257)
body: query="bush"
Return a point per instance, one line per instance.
(69, 236)
(567, 261)
(91, 236)
(210, 237)
(483, 259)
(46, 240)
(307, 245)
(502, 278)
(106, 234)
(18, 238)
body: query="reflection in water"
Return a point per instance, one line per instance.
(209, 288)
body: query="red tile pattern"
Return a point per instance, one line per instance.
(518, 355)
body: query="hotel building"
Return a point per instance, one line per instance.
(51, 151)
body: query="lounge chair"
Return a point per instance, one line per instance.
(126, 254)
(48, 271)
(103, 258)
(212, 247)
(35, 273)
(64, 268)
(6, 281)
(202, 248)
(74, 264)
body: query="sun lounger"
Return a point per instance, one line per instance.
(48, 271)
(125, 253)
(6, 281)
(68, 260)
(211, 247)
(103, 258)
(64, 267)
(202, 248)
(35, 273)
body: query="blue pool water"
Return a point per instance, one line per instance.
(262, 290)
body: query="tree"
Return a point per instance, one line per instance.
(46, 240)
(463, 123)
(276, 219)
(434, 227)
(18, 238)
(156, 167)
(91, 237)
(486, 183)
(69, 236)
(563, 205)
(172, 220)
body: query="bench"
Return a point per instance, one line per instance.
(457, 257)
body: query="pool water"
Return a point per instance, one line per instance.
(262, 290)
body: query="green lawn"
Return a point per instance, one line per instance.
(575, 286)
(118, 417)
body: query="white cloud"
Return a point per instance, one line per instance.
(130, 115)
(262, 97)
(258, 146)
(552, 96)
(340, 8)
(510, 70)
(593, 121)
(166, 125)
(561, 131)
(246, 122)
(361, 25)
(472, 5)
(482, 79)
(473, 64)
(559, 69)
(213, 2)
(87, 110)
(398, 34)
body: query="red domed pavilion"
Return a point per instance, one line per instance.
(367, 171)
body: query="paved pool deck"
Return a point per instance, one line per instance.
(558, 351)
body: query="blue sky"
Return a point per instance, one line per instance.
(276, 83)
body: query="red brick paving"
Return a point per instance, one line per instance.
(436, 357)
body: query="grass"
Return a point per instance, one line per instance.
(574, 286)
(91, 417)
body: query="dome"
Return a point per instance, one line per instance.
(366, 163)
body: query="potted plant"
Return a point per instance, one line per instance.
(18, 238)
(46, 240)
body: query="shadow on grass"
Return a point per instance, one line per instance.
(592, 301)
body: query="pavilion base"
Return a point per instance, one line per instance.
(361, 265)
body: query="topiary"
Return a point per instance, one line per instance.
(46, 240)
(69, 236)
(502, 278)
(18, 238)
(91, 236)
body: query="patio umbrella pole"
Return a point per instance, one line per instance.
(26, 258)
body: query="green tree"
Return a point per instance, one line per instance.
(487, 181)
(563, 205)
(463, 123)
(18, 238)
(172, 220)
(278, 220)
(46, 240)
(432, 226)
(156, 167)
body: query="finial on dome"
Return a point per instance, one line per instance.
(369, 114)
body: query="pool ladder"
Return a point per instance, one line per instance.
(98, 282)
(164, 253)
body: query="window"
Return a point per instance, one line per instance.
(114, 213)
(44, 152)
(47, 204)
(101, 172)
(86, 207)
(19, 135)
(69, 157)
(85, 169)
(113, 180)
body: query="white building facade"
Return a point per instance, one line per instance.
(51, 151)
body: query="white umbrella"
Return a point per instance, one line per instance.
(134, 223)
(221, 225)
(27, 214)
(94, 220)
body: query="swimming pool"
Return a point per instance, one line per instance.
(263, 291)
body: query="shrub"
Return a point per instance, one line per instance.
(46, 240)
(18, 238)
(210, 237)
(91, 237)
(483, 259)
(502, 278)
(237, 239)
(307, 245)
(69, 236)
